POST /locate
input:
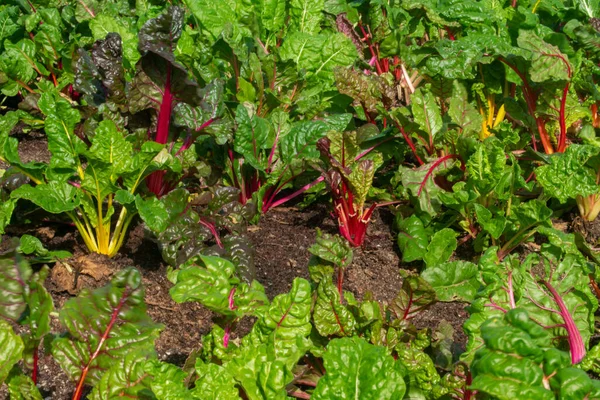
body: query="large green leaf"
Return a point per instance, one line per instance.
(306, 15)
(452, 281)
(104, 326)
(125, 378)
(426, 112)
(54, 197)
(285, 323)
(214, 382)
(442, 246)
(318, 54)
(214, 17)
(412, 239)
(60, 122)
(547, 61)
(414, 297)
(300, 142)
(463, 113)
(518, 360)
(11, 348)
(216, 286)
(359, 370)
(567, 176)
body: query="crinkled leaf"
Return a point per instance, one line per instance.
(318, 54)
(330, 315)
(332, 248)
(515, 360)
(125, 378)
(359, 370)
(214, 382)
(159, 214)
(21, 387)
(412, 239)
(59, 126)
(216, 287)
(453, 281)
(300, 142)
(306, 15)
(463, 113)
(493, 224)
(54, 197)
(567, 177)
(442, 246)
(415, 296)
(11, 348)
(547, 62)
(104, 326)
(286, 321)
(426, 112)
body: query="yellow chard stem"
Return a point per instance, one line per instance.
(491, 109)
(500, 116)
(83, 231)
(484, 127)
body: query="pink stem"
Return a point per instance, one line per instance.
(576, 344)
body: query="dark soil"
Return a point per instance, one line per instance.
(282, 240)
(589, 230)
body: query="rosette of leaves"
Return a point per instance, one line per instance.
(90, 182)
(159, 98)
(349, 170)
(271, 154)
(35, 50)
(552, 286)
(161, 84)
(278, 62)
(214, 224)
(108, 331)
(517, 359)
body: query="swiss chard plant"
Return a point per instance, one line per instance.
(278, 67)
(543, 284)
(349, 170)
(538, 370)
(96, 184)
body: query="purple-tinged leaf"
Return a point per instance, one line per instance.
(103, 327)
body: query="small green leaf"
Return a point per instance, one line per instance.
(332, 248)
(442, 246)
(412, 239)
(54, 197)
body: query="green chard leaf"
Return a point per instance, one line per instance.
(442, 246)
(566, 176)
(357, 369)
(330, 315)
(412, 239)
(11, 349)
(547, 62)
(452, 281)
